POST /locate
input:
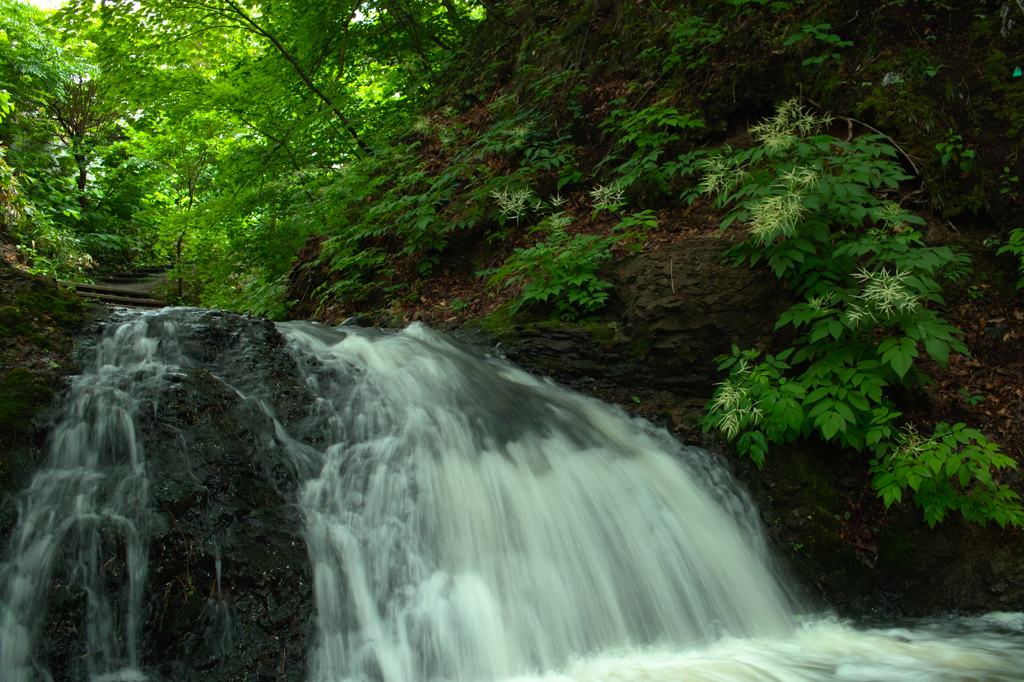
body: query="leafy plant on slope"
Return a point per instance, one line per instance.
(868, 282)
(1016, 247)
(562, 270)
(648, 133)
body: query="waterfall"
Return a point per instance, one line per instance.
(473, 522)
(89, 502)
(464, 521)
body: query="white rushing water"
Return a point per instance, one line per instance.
(465, 521)
(471, 522)
(91, 496)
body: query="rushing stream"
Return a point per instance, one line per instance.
(464, 521)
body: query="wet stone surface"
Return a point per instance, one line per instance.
(228, 594)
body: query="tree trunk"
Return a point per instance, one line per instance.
(82, 161)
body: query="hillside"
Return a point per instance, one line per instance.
(526, 169)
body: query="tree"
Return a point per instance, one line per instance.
(80, 113)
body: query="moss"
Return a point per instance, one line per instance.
(603, 333)
(498, 324)
(502, 323)
(21, 395)
(507, 327)
(14, 323)
(639, 347)
(60, 305)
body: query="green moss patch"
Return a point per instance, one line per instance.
(21, 395)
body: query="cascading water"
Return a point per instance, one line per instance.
(464, 521)
(93, 492)
(474, 523)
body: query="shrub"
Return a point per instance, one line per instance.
(868, 283)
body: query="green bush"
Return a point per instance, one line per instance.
(951, 470)
(1016, 247)
(562, 270)
(868, 284)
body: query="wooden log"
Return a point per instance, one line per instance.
(123, 300)
(102, 288)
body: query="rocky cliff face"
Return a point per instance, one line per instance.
(683, 305)
(228, 594)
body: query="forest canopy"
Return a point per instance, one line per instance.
(133, 127)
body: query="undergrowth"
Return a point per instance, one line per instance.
(870, 288)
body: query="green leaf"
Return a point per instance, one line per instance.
(845, 412)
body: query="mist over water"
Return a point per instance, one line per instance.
(464, 521)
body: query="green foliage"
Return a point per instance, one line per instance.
(866, 278)
(1008, 184)
(256, 296)
(952, 150)
(648, 134)
(820, 33)
(563, 269)
(1016, 247)
(950, 471)
(692, 40)
(58, 253)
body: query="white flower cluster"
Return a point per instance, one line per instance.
(800, 177)
(821, 303)
(882, 294)
(608, 195)
(732, 401)
(720, 175)
(423, 125)
(519, 132)
(911, 443)
(557, 201)
(790, 123)
(775, 215)
(892, 214)
(513, 202)
(556, 224)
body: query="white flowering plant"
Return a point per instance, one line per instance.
(561, 269)
(813, 210)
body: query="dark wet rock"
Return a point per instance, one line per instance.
(358, 321)
(228, 594)
(229, 559)
(229, 588)
(682, 305)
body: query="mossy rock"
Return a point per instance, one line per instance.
(504, 326)
(21, 395)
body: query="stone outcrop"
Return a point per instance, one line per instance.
(228, 592)
(682, 305)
